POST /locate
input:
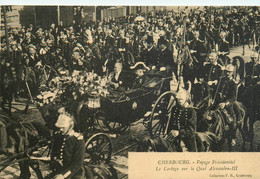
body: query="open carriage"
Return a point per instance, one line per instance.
(116, 111)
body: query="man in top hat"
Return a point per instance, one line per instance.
(183, 122)
(165, 57)
(68, 149)
(150, 55)
(139, 70)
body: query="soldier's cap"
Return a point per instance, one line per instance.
(32, 46)
(230, 68)
(139, 65)
(223, 33)
(213, 55)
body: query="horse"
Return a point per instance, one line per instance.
(218, 123)
(18, 140)
(205, 142)
(250, 97)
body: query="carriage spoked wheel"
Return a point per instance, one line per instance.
(161, 113)
(116, 127)
(98, 149)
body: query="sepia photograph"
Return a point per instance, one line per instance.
(92, 91)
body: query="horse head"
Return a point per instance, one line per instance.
(152, 144)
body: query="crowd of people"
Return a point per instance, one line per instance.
(191, 44)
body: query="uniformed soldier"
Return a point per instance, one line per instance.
(183, 122)
(222, 47)
(68, 149)
(253, 70)
(225, 98)
(212, 72)
(198, 52)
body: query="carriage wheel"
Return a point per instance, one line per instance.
(161, 113)
(98, 149)
(116, 126)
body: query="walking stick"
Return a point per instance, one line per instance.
(29, 91)
(218, 85)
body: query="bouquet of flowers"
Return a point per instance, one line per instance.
(64, 90)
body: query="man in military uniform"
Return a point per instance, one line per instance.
(183, 122)
(253, 70)
(68, 149)
(212, 72)
(198, 52)
(222, 46)
(225, 98)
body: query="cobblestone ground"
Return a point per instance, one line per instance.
(120, 141)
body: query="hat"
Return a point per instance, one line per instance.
(162, 41)
(230, 68)
(43, 44)
(139, 65)
(149, 39)
(32, 46)
(63, 121)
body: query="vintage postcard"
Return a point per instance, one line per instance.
(129, 91)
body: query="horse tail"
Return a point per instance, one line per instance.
(239, 64)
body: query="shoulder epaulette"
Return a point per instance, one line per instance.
(189, 41)
(227, 41)
(78, 136)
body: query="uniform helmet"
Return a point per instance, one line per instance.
(230, 68)
(64, 121)
(222, 34)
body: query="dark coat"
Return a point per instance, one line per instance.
(185, 121)
(227, 91)
(68, 155)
